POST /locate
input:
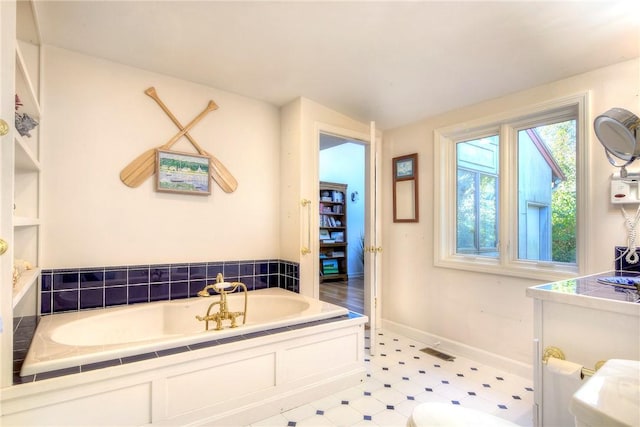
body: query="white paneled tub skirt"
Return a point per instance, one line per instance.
(292, 350)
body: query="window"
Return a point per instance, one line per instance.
(477, 196)
(509, 192)
(547, 192)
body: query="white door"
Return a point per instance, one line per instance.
(533, 233)
(373, 237)
(372, 226)
(7, 104)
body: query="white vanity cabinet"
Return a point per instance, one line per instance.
(590, 322)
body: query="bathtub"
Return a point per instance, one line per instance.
(205, 378)
(85, 337)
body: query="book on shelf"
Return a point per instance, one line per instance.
(329, 221)
(330, 266)
(338, 236)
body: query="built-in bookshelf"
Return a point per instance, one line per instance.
(333, 231)
(21, 173)
(27, 167)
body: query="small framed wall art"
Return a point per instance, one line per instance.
(405, 188)
(405, 166)
(184, 173)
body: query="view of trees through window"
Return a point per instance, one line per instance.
(546, 194)
(560, 138)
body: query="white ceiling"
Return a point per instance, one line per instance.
(389, 61)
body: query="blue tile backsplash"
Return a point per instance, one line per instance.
(88, 288)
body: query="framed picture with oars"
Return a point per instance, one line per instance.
(183, 173)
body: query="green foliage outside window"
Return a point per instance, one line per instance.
(561, 140)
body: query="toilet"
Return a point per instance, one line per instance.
(611, 397)
(435, 414)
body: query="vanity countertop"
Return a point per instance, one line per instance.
(603, 291)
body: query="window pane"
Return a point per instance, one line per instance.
(547, 193)
(466, 215)
(488, 218)
(477, 196)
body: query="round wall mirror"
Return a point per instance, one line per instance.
(617, 130)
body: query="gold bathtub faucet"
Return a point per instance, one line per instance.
(223, 312)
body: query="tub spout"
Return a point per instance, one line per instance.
(223, 313)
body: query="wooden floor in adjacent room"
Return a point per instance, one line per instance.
(349, 294)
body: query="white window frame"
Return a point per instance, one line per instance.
(507, 125)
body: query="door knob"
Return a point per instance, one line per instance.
(3, 246)
(4, 128)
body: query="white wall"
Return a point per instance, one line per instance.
(97, 119)
(486, 311)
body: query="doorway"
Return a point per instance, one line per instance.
(342, 161)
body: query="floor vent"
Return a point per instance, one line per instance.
(438, 354)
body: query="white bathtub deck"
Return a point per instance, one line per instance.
(234, 383)
(95, 337)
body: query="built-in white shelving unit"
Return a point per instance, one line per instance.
(20, 173)
(27, 168)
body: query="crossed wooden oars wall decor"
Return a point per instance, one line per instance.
(144, 166)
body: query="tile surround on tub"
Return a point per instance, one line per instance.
(73, 289)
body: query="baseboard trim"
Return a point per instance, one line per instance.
(456, 348)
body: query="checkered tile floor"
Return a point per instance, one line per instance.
(400, 377)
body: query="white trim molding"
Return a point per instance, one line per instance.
(506, 124)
